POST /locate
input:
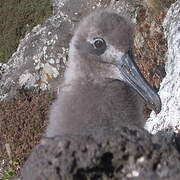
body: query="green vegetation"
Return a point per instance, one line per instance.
(16, 18)
(9, 171)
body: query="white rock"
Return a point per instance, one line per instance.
(169, 117)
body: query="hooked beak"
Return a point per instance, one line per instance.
(132, 75)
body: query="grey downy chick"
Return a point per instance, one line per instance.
(103, 87)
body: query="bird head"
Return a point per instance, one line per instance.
(101, 49)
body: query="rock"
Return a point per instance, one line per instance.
(130, 154)
(169, 117)
(40, 59)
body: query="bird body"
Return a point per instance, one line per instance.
(88, 108)
(103, 88)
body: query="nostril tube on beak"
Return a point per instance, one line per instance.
(133, 76)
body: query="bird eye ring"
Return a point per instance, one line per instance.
(98, 43)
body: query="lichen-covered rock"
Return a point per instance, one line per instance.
(169, 117)
(130, 154)
(40, 59)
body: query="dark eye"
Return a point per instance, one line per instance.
(99, 46)
(99, 43)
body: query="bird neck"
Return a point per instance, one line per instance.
(99, 105)
(77, 72)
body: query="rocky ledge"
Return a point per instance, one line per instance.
(130, 153)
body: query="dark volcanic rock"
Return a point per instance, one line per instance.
(130, 154)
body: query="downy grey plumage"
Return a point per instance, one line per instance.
(103, 88)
